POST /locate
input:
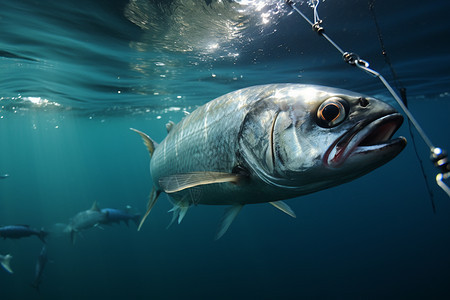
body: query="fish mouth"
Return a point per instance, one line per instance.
(372, 136)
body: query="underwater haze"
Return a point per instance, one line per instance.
(76, 75)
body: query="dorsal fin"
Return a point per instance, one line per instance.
(178, 182)
(169, 126)
(94, 206)
(148, 142)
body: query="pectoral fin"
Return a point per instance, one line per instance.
(228, 218)
(284, 208)
(182, 181)
(151, 202)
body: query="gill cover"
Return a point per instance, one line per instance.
(256, 138)
(268, 140)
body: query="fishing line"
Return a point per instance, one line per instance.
(387, 59)
(438, 156)
(399, 86)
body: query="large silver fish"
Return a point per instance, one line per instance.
(268, 143)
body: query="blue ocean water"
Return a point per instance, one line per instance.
(76, 75)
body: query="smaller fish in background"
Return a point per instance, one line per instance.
(4, 176)
(5, 261)
(20, 231)
(114, 215)
(40, 265)
(84, 220)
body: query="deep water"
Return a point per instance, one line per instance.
(76, 75)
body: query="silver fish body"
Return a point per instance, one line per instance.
(275, 142)
(87, 219)
(270, 132)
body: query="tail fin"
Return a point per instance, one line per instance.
(5, 262)
(42, 235)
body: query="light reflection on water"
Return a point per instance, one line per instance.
(146, 53)
(210, 29)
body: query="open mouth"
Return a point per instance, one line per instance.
(366, 137)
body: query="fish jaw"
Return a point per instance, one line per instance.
(368, 142)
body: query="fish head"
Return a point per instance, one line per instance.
(311, 137)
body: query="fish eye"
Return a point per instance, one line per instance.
(332, 112)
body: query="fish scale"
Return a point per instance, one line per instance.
(189, 136)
